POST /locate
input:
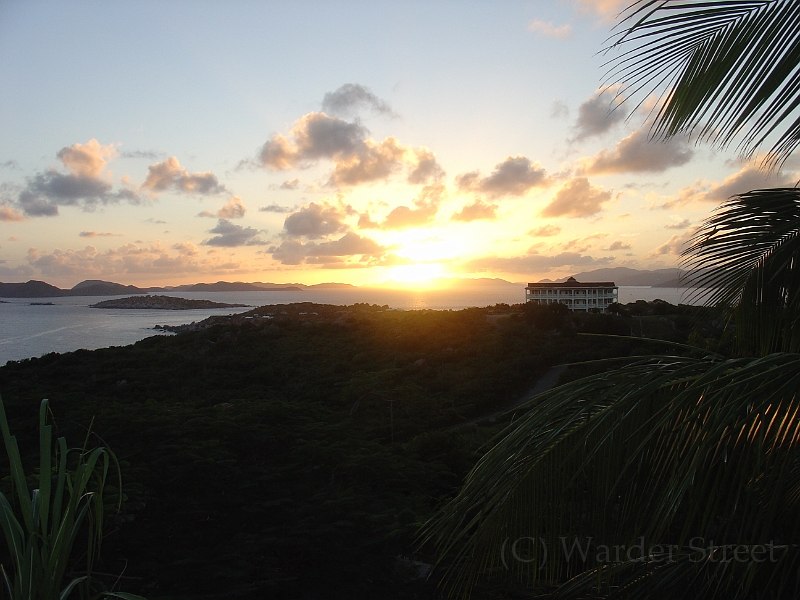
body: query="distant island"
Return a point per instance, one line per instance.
(94, 287)
(162, 303)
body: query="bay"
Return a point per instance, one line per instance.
(31, 330)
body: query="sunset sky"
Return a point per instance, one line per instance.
(155, 143)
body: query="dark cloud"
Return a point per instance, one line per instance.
(146, 154)
(85, 185)
(533, 263)
(352, 97)
(294, 252)
(170, 175)
(314, 136)
(290, 184)
(638, 154)
(476, 211)
(93, 234)
(317, 220)
(599, 114)
(275, 208)
(427, 170)
(404, 217)
(231, 235)
(515, 176)
(578, 198)
(357, 159)
(19, 273)
(376, 161)
(545, 231)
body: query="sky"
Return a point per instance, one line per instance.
(161, 143)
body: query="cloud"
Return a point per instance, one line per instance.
(290, 184)
(425, 168)
(532, 263)
(476, 211)
(87, 184)
(748, 178)
(375, 161)
(86, 160)
(559, 109)
(515, 176)
(578, 198)
(170, 175)
(231, 235)
(232, 209)
(638, 154)
(674, 245)
(599, 114)
(10, 164)
(317, 220)
(404, 217)
(357, 159)
(275, 208)
(314, 136)
(619, 245)
(608, 10)
(350, 98)
(20, 272)
(680, 225)
(92, 234)
(547, 29)
(7, 213)
(155, 221)
(545, 231)
(147, 154)
(128, 259)
(294, 252)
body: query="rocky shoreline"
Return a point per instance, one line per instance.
(162, 303)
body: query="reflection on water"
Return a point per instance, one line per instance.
(69, 324)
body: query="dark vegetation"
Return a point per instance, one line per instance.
(162, 303)
(294, 450)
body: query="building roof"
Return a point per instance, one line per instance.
(573, 283)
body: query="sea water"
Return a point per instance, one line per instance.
(30, 330)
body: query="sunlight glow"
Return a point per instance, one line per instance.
(415, 276)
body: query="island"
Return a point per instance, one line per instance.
(162, 303)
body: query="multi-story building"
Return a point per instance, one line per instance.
(579, 297)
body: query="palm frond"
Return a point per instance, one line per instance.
(665, 450)
(747, 255)
(725, 70)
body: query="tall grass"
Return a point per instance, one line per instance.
(42, 528)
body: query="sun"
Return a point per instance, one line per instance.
(415, 276)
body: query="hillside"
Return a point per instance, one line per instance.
(293, 450)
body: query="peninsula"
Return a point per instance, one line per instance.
(162, 303)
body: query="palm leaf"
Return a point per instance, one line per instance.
(747, 254)
(668, 449)
(725, 70)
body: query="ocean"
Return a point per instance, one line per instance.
(30, 330)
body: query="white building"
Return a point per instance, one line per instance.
(579, 297)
